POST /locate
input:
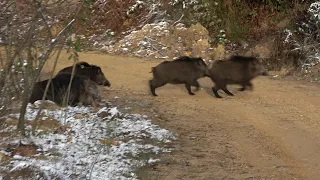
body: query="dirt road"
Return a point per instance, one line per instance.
(272, 132)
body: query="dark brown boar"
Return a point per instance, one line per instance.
(184, 70)
(236, 70)
(82, 91)
(91, 71)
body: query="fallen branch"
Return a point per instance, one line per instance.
(176, 22)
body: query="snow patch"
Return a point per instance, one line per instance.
(92, 147)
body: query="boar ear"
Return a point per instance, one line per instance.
(201, 62)
(205, 61)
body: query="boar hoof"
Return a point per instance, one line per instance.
(218, 96)
(229, 93)
(215, 92)
(192, 94)
(242, 89)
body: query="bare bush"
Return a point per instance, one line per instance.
(304, 41)
(120, 16)
(31, 32)
(298, 48)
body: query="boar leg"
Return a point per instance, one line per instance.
(227, 91)
(215, 91)
(249, 84)
(244, 85)
(152, 88)
(196, 84)
(91, 101)
(189, 89)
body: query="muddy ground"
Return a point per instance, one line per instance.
(272, 132)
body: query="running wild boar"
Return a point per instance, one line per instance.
(236, 70)
(184, 70)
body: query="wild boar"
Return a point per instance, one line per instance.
(184, 70)
(236, 70)
(91, 71)
(83, 90)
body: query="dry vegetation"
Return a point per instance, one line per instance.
(33, 31)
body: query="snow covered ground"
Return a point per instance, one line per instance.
(95, 145)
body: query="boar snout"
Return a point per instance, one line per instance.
(107, 83)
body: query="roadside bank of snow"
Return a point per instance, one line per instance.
(92, 146)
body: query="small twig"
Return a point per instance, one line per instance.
(55, 3)
(67, 96)
(94, 162)
(45, 21)
(178, 20)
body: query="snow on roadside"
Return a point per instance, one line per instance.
(164, 41)
(93, 147)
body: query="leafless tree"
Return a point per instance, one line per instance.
(28, 39)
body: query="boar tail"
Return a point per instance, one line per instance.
(152, 70)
